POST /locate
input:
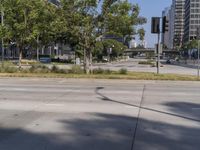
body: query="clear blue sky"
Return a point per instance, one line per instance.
(151, 8)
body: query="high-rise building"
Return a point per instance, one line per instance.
(178, 11)
(192, 19)
(171, 27)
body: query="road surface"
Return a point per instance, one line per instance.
(76, 114)
(132, 65)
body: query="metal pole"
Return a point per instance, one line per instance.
(158, 54)
(198, 67)
(2, 40)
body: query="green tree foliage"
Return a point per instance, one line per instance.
(25, 20)
(141, 33)
(121, 17)
(38, 23)
(190, 45)
(102, 48)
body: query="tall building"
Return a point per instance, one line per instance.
(171, 27)
(178, 11)
(192, 19)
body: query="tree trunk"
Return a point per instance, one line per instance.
(43, 49)
(20, 57)
(37, 48)
(91, 70)
(86, 61)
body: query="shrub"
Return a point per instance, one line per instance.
(39, 69)
(98, 71)
(123, 71)
(76, 69)
(8, 67)
(56, 69)
(107, 71)
(102, 71)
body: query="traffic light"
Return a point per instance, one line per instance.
(165, 24)
(155, 25)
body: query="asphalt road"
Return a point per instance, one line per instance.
(75, 114)
(132, 65)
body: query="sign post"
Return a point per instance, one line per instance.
(155, 29)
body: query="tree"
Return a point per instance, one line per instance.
(141, 33)
(191, 45)
(80, 17)
(24, 22)
(102, 48)
(37, 23)
(121, 18)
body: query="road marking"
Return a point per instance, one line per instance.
(129, 107)
(58, 105)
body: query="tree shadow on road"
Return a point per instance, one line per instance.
(185, 108)
(174, 111)
(104, 132)
(109, 131)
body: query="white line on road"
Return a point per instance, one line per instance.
(58, 105)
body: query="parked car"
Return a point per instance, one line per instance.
(168, 61)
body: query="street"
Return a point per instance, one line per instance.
(82, 114)
(132, 65)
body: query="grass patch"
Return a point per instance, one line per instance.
(29, 62)
(8, 69)
(123, 71)
(75, 69)
(114, 75)
(148, 62)
(101, 71)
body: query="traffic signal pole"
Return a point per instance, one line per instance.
(158, 54)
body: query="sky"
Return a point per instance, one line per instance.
(151, 8)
